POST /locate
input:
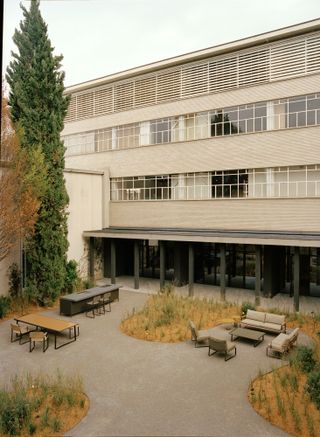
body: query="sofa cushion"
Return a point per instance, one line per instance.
(281, 342)
(275, 318)
(272, 327)
(250, 322)
(293, 333)
(256, 315)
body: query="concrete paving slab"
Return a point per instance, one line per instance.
(140, 388)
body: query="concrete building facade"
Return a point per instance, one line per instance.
(203, 168)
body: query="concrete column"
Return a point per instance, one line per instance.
(162, 264)
(258, 275)
(296, 277)
(91, 258)
(223, 271)
(191, 269)
(136, 264)
(113, 261)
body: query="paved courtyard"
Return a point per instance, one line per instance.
(139, 388)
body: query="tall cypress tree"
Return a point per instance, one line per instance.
(39, 107)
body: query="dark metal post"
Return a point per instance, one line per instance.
(223, 271)
(296, 277)
(258, 275)
(136, 264)
(113, 261)
(191, 269)
(162, 264)
(91, 258)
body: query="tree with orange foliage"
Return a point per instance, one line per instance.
(22, 185)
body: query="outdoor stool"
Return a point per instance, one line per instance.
(93, 306)
(105, 300)
(38, 337)
(18, 331)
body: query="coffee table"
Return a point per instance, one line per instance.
(250, 334)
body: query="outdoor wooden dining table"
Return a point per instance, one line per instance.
(50, 324)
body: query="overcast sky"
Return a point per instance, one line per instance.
(100, 37)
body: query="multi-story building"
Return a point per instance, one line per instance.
(204, 167)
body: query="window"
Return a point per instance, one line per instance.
(160, 131)
(300, 181)
(103, 140)
(128, 136)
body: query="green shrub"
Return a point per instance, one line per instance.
(44, 419)
(167, 315)
(32, 428)
(14, 280)
(313, 387)
(167, 289)
(87, 283)
(247, 306)
(71, 276)
(303, 359)
(56, 425)
(5, 303)
(14, 412)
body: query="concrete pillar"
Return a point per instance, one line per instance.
(136, 264)
(162, 264)
(91, 258)
(113, 261)
(223, 271)
(191, 269)
(258, 275)
(296, 277)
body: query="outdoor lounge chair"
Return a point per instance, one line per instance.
(224, 346)
(282, 343)
(200, 338)
(38, 337)
(18, 331)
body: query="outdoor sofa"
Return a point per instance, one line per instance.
(282, 343)
(267, 322)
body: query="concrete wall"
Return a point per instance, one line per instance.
(289, 147)
(232, 214)
(85, 210)
(4, 266)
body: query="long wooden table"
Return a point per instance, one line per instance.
(75, 303)
(50, 324)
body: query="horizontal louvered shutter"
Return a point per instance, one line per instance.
(168, 85)
(85, 105)
(287, 60)
(194, 80)
(223, 74)
(103, 101)
(313, 53)
(253, 67)
(123, 96)
(145, 91)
